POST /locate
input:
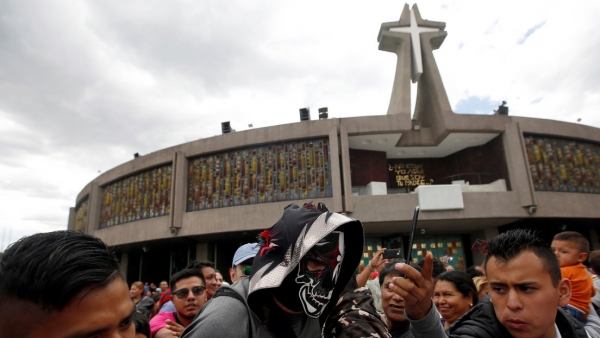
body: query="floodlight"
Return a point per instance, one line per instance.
(305, 114)
(323, 113)
(225, 127)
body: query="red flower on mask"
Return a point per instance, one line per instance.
(267, 239)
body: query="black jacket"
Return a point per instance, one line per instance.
(481, 322)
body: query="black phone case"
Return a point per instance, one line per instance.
(392, 254)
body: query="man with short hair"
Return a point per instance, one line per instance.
(63, 284)
(392, 303)
(188, 298)
(165, 304)
(242, 259)
(527, 294)
(210, 276)
(305, 260)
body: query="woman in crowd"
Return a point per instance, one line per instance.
(219, 278)
(368, 277)
(454, 294)
(137, 293)
(149, 306)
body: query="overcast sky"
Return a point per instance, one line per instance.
(85, 84)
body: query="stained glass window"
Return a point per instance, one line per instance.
(81, 214)
(269, 173)
(141, 196)
(563, 165)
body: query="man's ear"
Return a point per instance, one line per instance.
(564, 292)
(231, 274)
(582, 257)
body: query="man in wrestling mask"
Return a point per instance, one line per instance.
(304, 261)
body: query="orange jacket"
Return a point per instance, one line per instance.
(582, 286)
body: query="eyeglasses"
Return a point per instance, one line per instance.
(183, 293)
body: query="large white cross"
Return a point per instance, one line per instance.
(415, 30)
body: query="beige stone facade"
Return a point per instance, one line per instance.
(152, 248)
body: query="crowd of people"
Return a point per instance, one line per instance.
(301, 280)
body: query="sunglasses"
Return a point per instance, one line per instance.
(183, 293)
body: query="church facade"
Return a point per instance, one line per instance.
(473, 176)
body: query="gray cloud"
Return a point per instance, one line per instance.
(88, 83)
(529, 32)
(35, 187)
(491, 27)
(211, 48)
(62, 80)
(537, 100)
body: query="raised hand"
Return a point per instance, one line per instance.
(176, 328)
(377, 261)
(416, 288)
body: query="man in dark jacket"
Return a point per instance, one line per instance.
(526, 291)
(304, 262)
(63, 284)
(392, 303)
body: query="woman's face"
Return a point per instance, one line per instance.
(450, 302)
(134, 292)
(219, 278)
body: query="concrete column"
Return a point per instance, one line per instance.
(346, 178)
(205, 251)
(518, 166)
(336, 172)
(432, 103)
(490, 233)
(399, 44)
(400, 98)
(178, 189)
(71, 224)
(124, 263)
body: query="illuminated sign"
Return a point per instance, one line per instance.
(409, 174)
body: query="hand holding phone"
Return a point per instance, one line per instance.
(412, 235)
(392, 254)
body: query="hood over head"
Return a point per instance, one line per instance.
(330, 241)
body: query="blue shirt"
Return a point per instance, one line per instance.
(168, 307)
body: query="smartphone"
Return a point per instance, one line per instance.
(392, 254)
(412, 235)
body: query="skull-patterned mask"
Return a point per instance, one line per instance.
(319, 271)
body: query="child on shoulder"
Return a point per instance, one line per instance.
(571, 249)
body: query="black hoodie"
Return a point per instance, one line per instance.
(284, 245)
(250, 310)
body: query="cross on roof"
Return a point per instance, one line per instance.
(415, 30)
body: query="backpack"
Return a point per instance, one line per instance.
(255, 328)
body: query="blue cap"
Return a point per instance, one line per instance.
(244, 253)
